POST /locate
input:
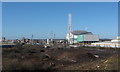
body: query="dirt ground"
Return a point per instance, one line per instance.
(82, 58)
(86, 58)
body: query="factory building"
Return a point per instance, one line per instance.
(79, 35)
(82, 36)
(115, 43)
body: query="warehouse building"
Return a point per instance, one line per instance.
(115, 43)
(82, 36)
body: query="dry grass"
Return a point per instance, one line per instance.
(29, 57)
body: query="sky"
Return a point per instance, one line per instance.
(24, 19)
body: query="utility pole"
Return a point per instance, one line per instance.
(54, 36)
(32, 39)
(51, 37)
(54, 39)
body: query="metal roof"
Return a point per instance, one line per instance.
(81, 32)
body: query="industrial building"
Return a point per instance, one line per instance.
(115, 43)
(79, 35)
(82, 37)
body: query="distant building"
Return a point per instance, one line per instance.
(105, 39)
(7, 44)
(2, 39)
(115, 43)
(82, 36)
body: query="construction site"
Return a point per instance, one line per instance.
(73, 53)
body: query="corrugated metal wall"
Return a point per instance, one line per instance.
(91, 37)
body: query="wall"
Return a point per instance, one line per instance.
(91, 37)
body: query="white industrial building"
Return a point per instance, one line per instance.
(115, 43)
(80, 35)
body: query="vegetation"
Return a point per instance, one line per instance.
(111, 63)
(35, 57)
(25, 57)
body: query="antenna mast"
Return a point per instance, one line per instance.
(70, 23)
(70, 26)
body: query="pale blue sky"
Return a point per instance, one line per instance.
(22, 19)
